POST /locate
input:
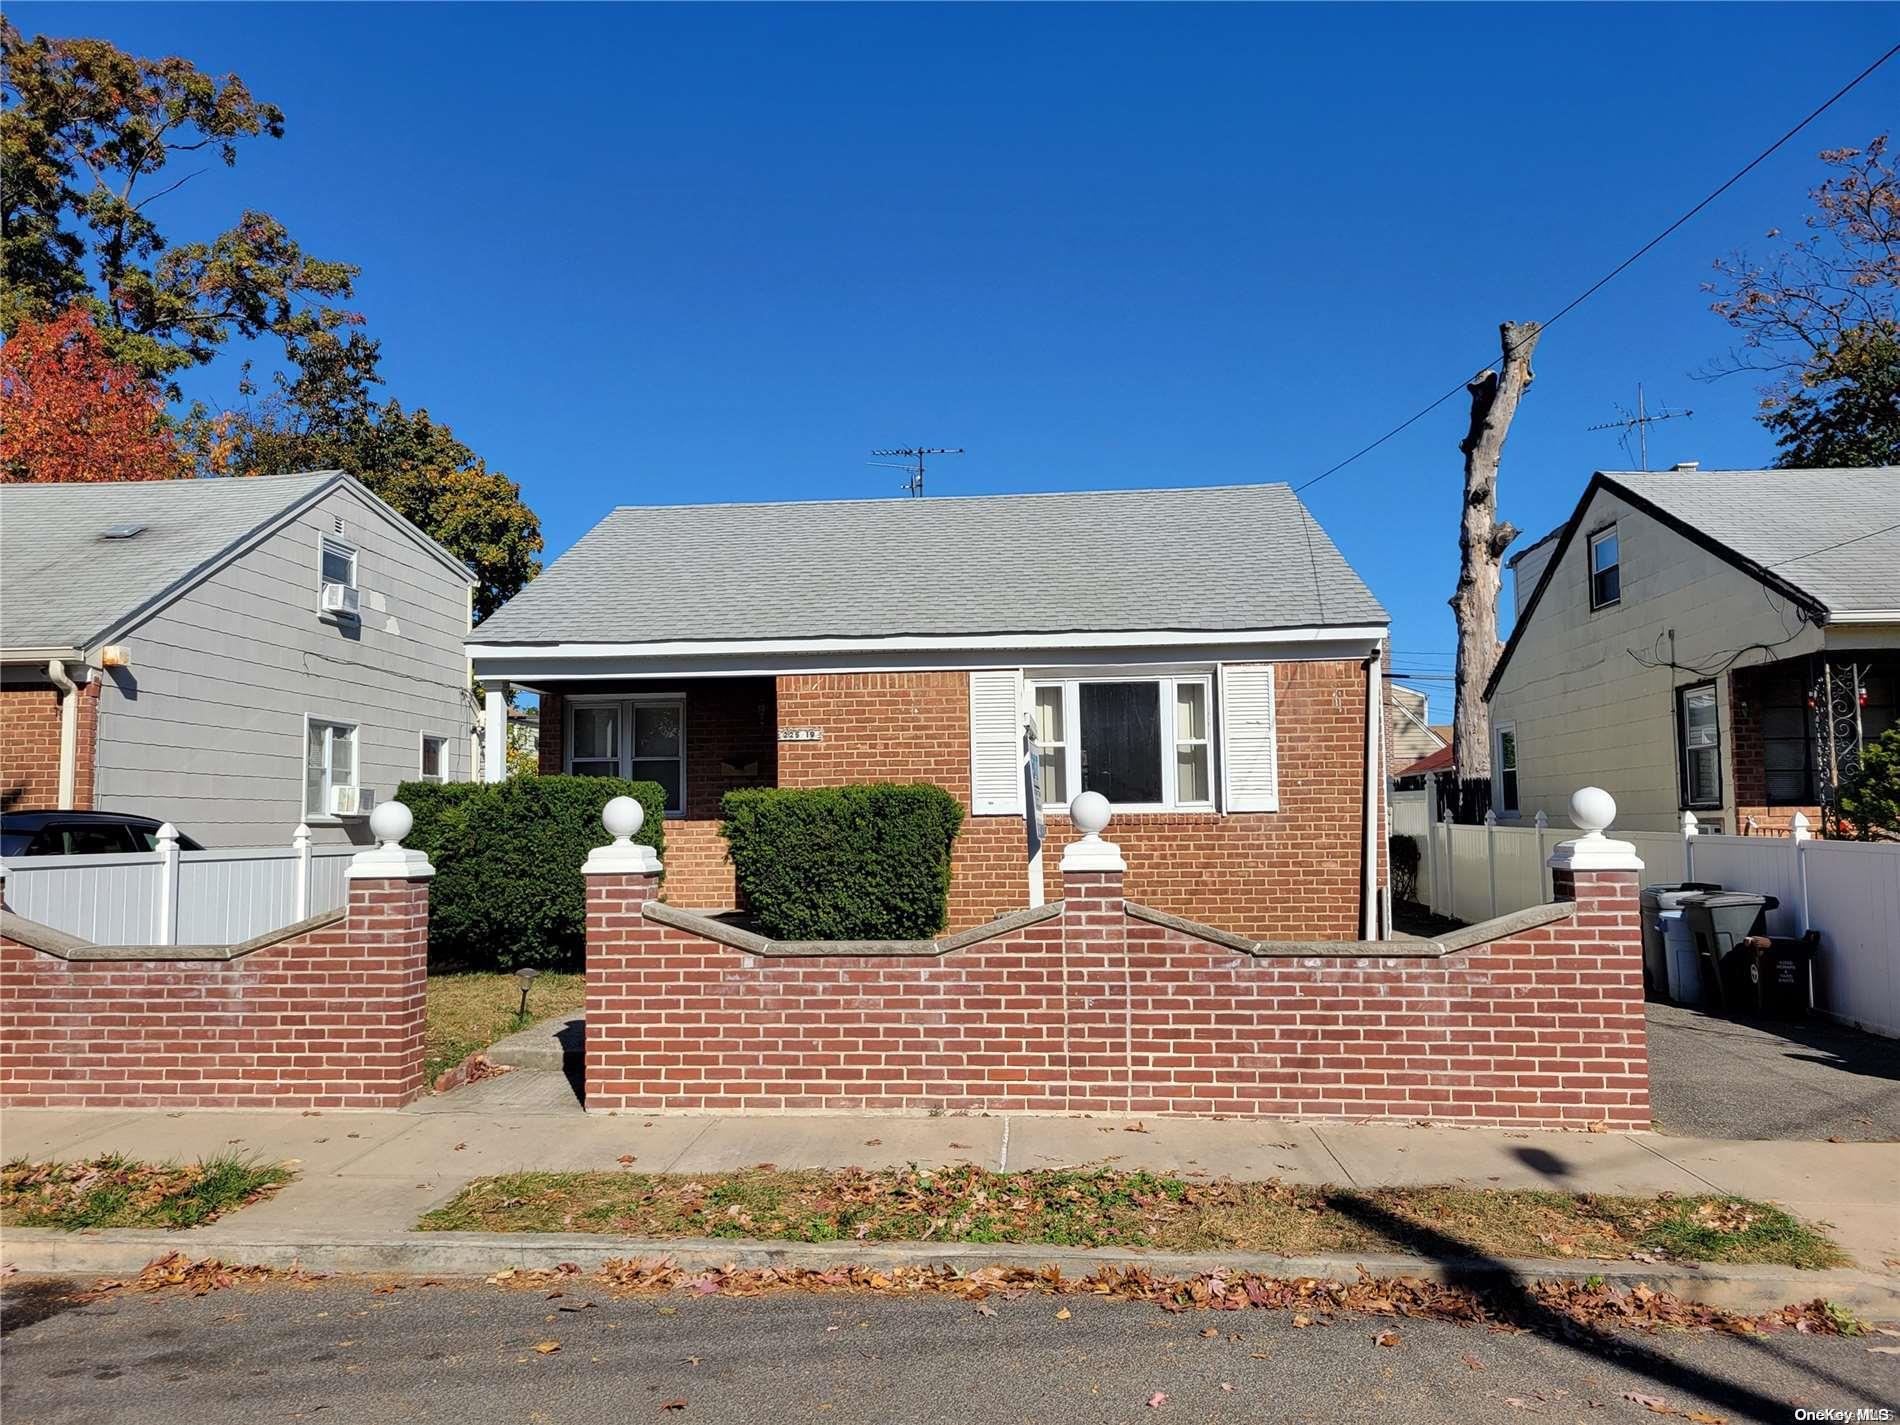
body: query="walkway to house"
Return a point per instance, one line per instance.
(1754, 1079)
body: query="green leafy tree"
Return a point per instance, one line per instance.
(1819, 319)
(1869, 801)
(89, 136)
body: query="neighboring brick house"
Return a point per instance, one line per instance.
(1203, 657)
(232, 656)
(1716, 641)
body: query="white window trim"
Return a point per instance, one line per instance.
(422, 758)
(332, 544)
(326, 818)
(1505, 813)
(1072, 735)
(1607, 532)
(626, 703)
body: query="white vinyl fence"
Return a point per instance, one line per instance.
(174, 897)
(1847, 890)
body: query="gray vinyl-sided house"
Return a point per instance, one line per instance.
(234, 656)
(1722, 642)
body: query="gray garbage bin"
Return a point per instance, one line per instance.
(1721, 923)
(1666, 896)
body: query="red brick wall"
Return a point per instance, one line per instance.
(29, 745)
(1287, 874)
(329, 1019)
(1098, 1011)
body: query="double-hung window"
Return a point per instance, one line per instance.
(1506, 760)
(432, 751)
(329, 765)
(339, 563)
(640, 738)
(1699, 733)
(1140, 742)
(1606, 568)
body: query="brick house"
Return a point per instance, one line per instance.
(1722, 642)
(231, 656)
(1205, 658)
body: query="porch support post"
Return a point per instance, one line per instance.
(495, 734)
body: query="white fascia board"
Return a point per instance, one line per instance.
(908, 643)
(39, 655)
(1864, 616)
(536, 665)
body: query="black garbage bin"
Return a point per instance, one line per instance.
(1783, 975)
(1720, 922)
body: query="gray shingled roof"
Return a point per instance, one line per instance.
(1232, 557)
(1834, 534)
(63, 584)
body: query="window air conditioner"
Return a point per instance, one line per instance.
(351, 801)
(340, 599)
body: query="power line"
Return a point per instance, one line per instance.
(1614, 272)
(1838, 544)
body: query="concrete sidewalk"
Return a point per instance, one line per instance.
(364, 1176)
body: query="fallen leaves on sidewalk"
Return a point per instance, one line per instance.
(546, 1348)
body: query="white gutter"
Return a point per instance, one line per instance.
(1138, 638)
(68, 731)
(1374, 787)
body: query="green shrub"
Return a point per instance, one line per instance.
(1402, 851)
(843, 863)
(1870, 799)
(508, 891)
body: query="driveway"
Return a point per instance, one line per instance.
(1711, 1077)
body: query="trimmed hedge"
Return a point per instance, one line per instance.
(508, 891)
(843, 863)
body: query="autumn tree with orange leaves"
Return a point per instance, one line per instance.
(68, 411)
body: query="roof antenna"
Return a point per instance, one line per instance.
(1639, 424)
(915, 485)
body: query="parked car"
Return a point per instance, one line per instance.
(80, 833)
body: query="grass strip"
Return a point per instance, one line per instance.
(469, 1010)
(112, 1191)
(1107, 1208)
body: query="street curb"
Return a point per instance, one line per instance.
(123, 1251)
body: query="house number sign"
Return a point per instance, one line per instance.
(801, 734)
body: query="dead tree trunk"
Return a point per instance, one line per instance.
(1482, 540)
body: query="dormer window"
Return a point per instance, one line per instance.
(1606, 569)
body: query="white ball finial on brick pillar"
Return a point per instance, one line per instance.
(1090, 814)
(1592, 811)
(623, 817)
(389, 823)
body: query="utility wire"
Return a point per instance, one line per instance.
(1838, 544)
(1614, 272)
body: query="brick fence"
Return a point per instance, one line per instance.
(1099, 1004)
(327, 1013)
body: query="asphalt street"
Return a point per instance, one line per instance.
(343, 1351)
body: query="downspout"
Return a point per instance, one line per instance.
(1374, 783)
(68, 731)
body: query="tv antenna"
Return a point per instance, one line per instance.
(916, 482)
(1638, 422)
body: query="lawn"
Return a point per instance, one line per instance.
(111, 1191)
(1099, 1208)
(470, 1010)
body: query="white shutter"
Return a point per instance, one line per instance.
(996, 742)
(1250, 774)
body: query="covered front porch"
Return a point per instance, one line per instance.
(1799, 725)
(697, 738)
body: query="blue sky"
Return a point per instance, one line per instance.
(666, 253)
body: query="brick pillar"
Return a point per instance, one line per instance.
(1098, 1065)
(386, 927)
(1604, 877)
(621, 878)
